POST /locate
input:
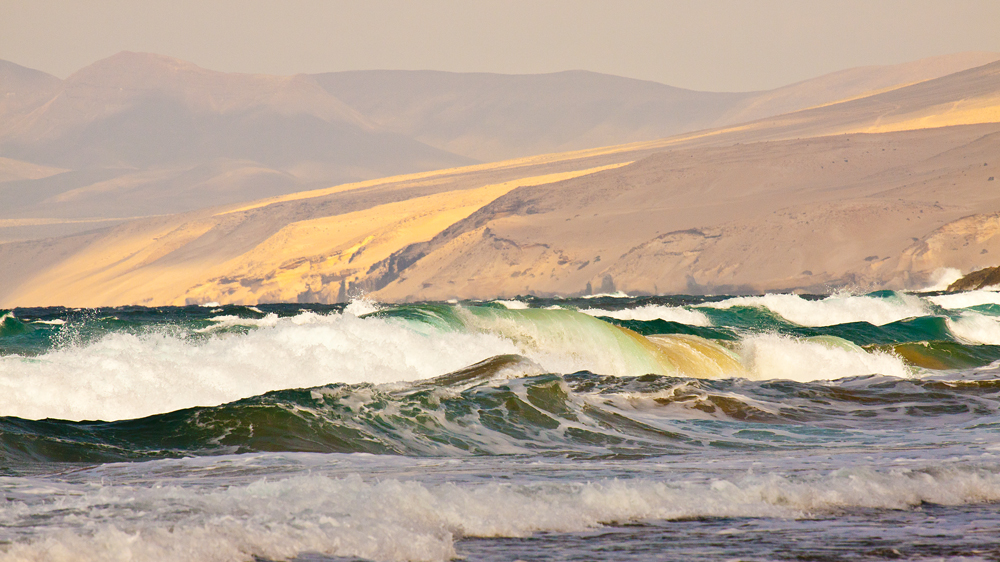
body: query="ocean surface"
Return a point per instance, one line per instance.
(777, 427)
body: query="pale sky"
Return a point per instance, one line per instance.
(721, 45)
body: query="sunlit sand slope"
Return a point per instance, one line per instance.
(803, 201)
(295, 248)
(968, 97)
(139, 134)
(861, 211)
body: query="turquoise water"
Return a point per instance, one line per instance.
(779, 427)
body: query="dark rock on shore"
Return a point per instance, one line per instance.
(977, 280)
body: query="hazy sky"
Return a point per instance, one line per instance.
(723, 45)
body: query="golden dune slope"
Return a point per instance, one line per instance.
(175, 260)
(783, 203)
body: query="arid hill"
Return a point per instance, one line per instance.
(806, 201)
(140, 135)
(493, 117)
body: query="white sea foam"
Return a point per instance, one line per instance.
(835, 309)
(975, 328)
(942, 278)
(615, 295)
(512, 304)
(772, 356)
(124, 376)
(56, 322)
(361, 306)
(401, 520)
(654, 312)
(230, 321)
(965, 300)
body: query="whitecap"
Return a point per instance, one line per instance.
(835, 309)
(399, 520)
(772, 356)
(124, 375)
(654, 312)
(966, 299)
(512, 304)
(975, 328)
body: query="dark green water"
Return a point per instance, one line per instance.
(612, 428)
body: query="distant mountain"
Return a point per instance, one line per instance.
(851, 83)
(23, 89)
(140, 134)
(136, 128)
(495, 116)
(804, 201)
(964, 98)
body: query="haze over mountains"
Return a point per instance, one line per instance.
(881, 189)
(494, 117)
(139, 134)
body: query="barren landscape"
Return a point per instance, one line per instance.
(892, 187)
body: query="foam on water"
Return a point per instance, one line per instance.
(512, 304)
(361, 306)
(975, 328)
(127, 375)
(966, 299)
(123, 375)
(942, 278)
(654, 312)
(56, 322)
(565, 341)
(835, 309)
(401, 520)
(772, 356)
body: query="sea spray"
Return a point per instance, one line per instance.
(403, 520)
(835, 309)
(123, 375)
(654, 312)
(792, 427)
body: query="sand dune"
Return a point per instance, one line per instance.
(785, 203)
(964, 98)
(140, 134)
(864, 211)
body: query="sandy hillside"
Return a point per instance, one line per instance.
(806, 201)
(863, 211)
(139, 134)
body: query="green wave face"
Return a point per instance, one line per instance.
(595, 378)
(492, 408)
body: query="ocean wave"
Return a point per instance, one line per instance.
(124, 375)
(832, 310)
(966, 299)
(654, 312)
(508, 405)
(402, 520)
(512, 304)
(772, 356)
(975, 328)
(131, 374)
